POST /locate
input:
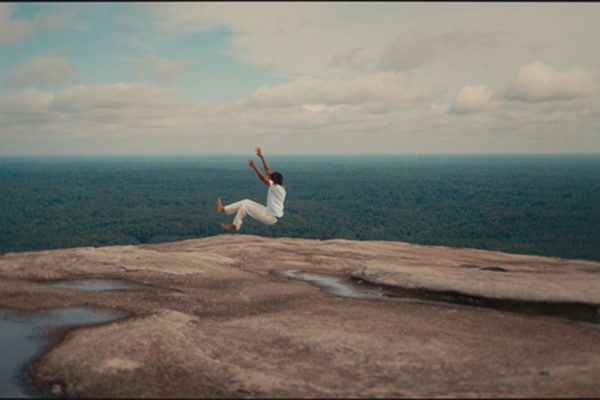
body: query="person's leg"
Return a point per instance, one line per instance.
(220, 207)
(251, 208)
(229, 210)
(232, 208)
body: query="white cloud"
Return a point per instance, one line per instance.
(403, 56)
(28, 102)
(471, 99)
(123, 109)
(164, 68)
(11, 29)
(382, 86)
(43, 70)
(243, 17)
(323, 39)
(99, 109)
(539, 81)
(16, 29)
(167, 69)
(351, 59)
(438, 108)
(118, 96)
(281, 36)
(409, 52)
(314, 108)
(126, 118)
(138, 64)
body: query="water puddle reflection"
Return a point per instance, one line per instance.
(95, 285)
(337, 286)
(353, 289)
(24, 335)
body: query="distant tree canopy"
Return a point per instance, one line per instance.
(545, 205)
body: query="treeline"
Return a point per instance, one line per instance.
(546, 205)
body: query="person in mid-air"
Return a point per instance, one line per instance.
(268, 214)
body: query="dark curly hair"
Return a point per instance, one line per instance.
(277, 178)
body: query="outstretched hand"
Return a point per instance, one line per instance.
(255, 168)
(258, 152)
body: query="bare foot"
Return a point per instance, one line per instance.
(229, 227)
(220, 207)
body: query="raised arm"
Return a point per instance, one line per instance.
(260, 175)
(264, 162)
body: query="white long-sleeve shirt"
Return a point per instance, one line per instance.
(275, 199)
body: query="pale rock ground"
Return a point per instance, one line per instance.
(212, 320)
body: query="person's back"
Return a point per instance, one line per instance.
(275, 199)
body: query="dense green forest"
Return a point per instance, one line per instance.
(547, 205)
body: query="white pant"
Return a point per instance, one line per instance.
(251, 208)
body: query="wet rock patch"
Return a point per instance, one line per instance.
(360, 288)
(576, 311)
(338, 286)
(493, 268)
(23, 335)
(95, 285)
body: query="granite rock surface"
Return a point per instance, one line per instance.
(212, 318)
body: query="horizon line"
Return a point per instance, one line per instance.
(298, 154)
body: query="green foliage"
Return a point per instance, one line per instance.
(546, 205)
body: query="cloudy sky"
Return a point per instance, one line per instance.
(299, 78)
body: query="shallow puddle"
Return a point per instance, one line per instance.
(95, 285)
(352, 289)
(337, 286)
(24, 335)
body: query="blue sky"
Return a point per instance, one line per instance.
(106, 38)
(299, 78)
